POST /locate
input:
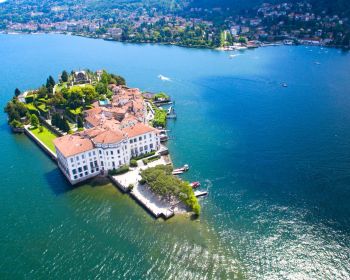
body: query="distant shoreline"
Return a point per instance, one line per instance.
(276, 43)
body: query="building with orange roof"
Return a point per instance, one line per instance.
(112, 136)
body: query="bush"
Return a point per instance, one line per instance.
(16, 124)
(34, 120)
(121, 170)
(150, 159)
(131, 186)
(159, 118)
(29, 98)
(142, 181)
(144, 155)
(133, 163)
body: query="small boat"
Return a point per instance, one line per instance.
(163, 78)
(195, 185)
(317, 63)
(200, 193)
(284, 85)
(181, 170)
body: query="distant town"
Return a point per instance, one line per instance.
(286, 23)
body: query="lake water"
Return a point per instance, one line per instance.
(276, 162)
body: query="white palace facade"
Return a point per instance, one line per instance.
(112, 137)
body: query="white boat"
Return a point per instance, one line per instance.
(181, 170)
(163, 78)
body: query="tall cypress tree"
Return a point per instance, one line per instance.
(17, 92)
(64, 76)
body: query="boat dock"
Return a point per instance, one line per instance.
(151, 202)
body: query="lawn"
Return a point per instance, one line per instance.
(46, 137)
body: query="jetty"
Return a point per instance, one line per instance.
(154, 204)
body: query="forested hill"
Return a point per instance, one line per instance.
(340, 7)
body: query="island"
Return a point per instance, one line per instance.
(94, 126)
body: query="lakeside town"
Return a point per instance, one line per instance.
(285, 23)
(93, 125)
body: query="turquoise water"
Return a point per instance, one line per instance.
(276, 162)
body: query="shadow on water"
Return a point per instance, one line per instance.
(60, 185)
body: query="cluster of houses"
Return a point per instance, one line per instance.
(267, 23)
(114, 133)
(289, 21)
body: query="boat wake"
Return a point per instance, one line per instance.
(163, 78)
(234, 55)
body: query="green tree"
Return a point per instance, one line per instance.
(80, 122)
(75, 97)
(17, 92)
(42, 92)
(34, 120)
(89, 94)
(65, 125)
(64, 76)
(242, 40)
(15, 110)
(50, 83)
(101, 88)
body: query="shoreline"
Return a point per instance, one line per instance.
(270, 44)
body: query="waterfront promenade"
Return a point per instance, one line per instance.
(151, 202)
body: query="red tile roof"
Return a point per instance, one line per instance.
(70, 145)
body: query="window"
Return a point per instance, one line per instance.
(86, 173)
(80, 169)
(100, 152)
(74, 171)
(107, 153)
(82, 156)
(102, 163)
(145, 147)
(118, 151)
(113, 164)
(77, 157)
(144, 137)
(75, 177)
(111, 152)
(89, 154)
(150, 135)
(151, 146)
(130, 141)
(85, 167)
(71, 159)
(91, 165)
(140, 138)
(93, 152)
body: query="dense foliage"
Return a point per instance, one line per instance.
(159, 117)
(121, 170)
(15, 110)
(162, 182)
(64, 97)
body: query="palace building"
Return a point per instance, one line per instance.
(112, 136)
